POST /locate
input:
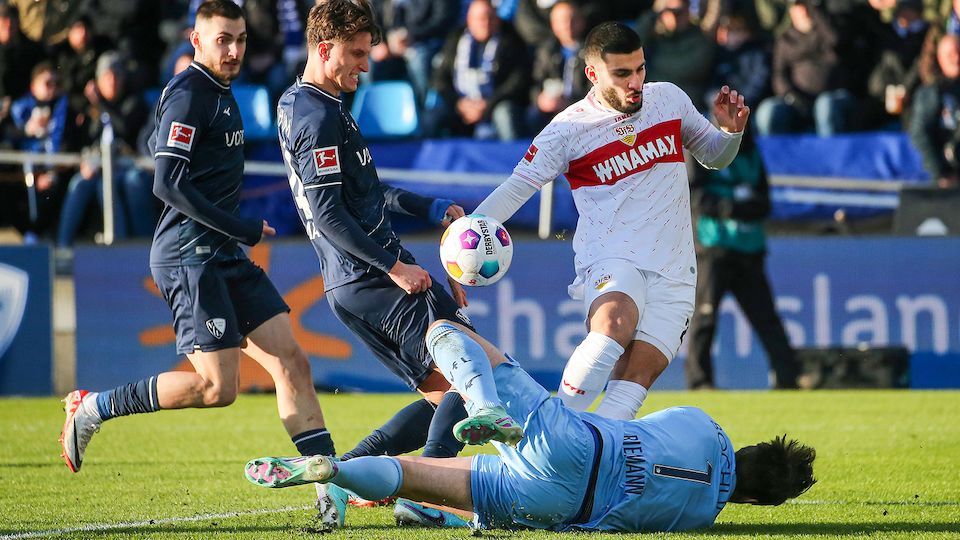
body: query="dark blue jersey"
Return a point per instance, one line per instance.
(198, 148)
(343, 204)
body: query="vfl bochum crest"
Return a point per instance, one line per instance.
(14, 284)
(216, 327)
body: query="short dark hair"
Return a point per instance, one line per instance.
(610, 37)
(340, 20)
(770, 473)
(42, 68)
(219, 8)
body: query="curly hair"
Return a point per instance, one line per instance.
(770, 473)
(340, 20)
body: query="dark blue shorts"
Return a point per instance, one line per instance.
(215, 305)
(392, 323)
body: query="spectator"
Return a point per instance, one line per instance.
(263, 62)
(110, 104)
(935, 119)
(41, 115)
(41, 121)
(676, 50)
(807, 78)
(131, 26)
(558, 67)
(76, 60)
(744, 60)
(18, 56)
(417, 33)
(386, 64)
(483, 78)
(532, 21)
(46, 21)
(896, 75)
(731, 205)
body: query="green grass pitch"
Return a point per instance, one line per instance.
(888, 467)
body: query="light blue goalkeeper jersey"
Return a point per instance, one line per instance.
(670, 470)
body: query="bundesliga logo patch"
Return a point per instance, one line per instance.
(531, 153)
(181, 136)
(327, 160)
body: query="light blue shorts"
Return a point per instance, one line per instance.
(541, 483)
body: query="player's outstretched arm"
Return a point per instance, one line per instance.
(713, 147)
(434, 211)
(342, 229)
(171, 184)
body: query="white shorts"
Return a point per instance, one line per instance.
(665, 305)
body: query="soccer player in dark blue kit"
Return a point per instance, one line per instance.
(372, 283)
(222, 303)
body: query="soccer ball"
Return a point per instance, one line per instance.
(476, 250)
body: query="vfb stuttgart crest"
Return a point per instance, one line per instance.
(14, 284)
(626, 133)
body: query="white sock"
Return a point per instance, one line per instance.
(587, 370)
(622, 400)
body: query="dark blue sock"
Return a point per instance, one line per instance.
(133, 398)
(440, 441)
(405, 432)
(314, 442)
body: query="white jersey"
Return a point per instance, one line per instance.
(628, 178)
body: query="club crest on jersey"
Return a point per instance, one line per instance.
(181, 136)
(531, 153)
(216, 327)
(627, 133)
(602, 282)
(327, 160)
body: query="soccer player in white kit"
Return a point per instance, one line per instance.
(622, 150)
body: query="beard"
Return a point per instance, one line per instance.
(220, 70)
(609, 95)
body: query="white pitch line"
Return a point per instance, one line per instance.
(151, 522)
(874, 503)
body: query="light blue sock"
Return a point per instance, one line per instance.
(372, 477)
(465, 365)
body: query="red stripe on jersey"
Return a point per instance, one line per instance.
(617, 160)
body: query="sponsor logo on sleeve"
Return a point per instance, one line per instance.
(531, 153)
(181, 136)
(327, 160)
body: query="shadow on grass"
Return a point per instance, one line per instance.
(833, 529)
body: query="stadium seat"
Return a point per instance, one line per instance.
(386, 110)
(255, 106)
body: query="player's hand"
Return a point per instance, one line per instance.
(730, 111)
(453, 213)
(410, 277)
(268, 230)
(459, 294)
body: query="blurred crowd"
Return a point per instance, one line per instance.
(77, 73)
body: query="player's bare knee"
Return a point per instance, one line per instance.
(615, 315)
(619, 329)
(219, 395)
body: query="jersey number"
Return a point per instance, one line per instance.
(689, 475)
